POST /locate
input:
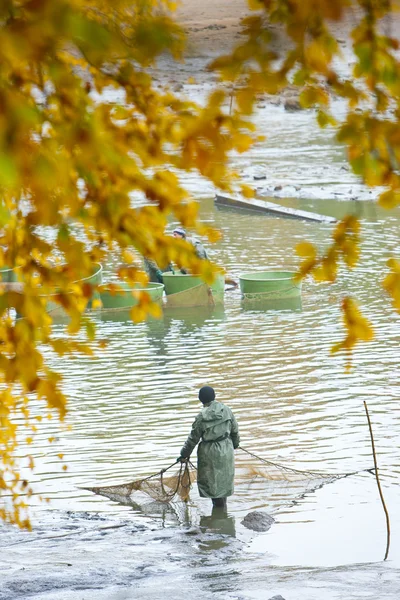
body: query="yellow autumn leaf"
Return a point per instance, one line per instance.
(389, 199)
(245, 100)
(306, 250)
(247, 191)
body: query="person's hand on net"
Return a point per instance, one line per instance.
(181, 459)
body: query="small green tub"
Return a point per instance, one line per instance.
(269, 285)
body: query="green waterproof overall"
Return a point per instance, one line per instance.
(216, 429)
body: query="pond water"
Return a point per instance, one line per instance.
(132, 406)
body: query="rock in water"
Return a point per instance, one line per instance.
(292, 104)
(258, 521)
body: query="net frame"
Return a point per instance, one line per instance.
(157, 486)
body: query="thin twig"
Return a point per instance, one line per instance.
(231, 103)
(379, 483)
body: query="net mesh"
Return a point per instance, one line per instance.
(258, 479)
(290, 292)
(199, 295)
(273, 471)
(160, 487)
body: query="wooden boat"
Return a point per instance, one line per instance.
(190, 290)
(127, 296)
(264, 206)
(269, 285)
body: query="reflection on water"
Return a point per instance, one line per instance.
(114, 316)
(262, 304)
(188, 318)
(195, 316)
(215, 521)
(184, 321)
(169, 513)
(178, 324)
(219, 521)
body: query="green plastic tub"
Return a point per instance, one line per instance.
(95, 278)
(125, 299)
(175, 283)
(7, 275)
(269, 285)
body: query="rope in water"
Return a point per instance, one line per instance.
(310, 473)
(184, 469)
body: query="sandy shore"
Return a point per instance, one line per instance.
(212, 27)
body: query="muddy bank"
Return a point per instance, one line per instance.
(87, 556)
(77, 554)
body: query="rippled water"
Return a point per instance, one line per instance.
(131, 408)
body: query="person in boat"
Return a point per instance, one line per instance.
(201, 252)
(216, 428)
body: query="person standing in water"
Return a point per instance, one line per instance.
(154, 272)
(216, 428)
(201, 252)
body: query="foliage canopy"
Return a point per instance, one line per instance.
(72, 162)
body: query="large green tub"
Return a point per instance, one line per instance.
(125, 299)
(269, 285)
(56, 310)
(94, 279)
(177, 283)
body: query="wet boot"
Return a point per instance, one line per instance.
(219, 502)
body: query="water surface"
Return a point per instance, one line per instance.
(131, 408)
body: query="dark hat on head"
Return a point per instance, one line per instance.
(180, 231)
(206, 394)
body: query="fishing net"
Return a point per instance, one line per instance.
(176, 485)
(279, 484)
(290, 292)
(273, 471)
(160, 487)
(199, 295)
